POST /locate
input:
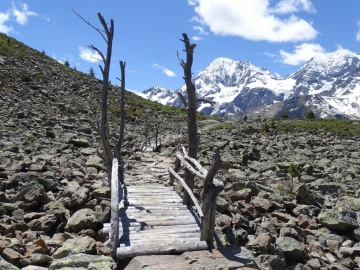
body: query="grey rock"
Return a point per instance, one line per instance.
(4, 265)
(338, 219)
(80, 260)
(305, 195)
(31, 192)
(45, 223)
(274, 262)
(292, 249)
(79, 197)
(79, 142)
(82, 219)
(221, 205)
(75, 246)
(36, 259)
(96, 162)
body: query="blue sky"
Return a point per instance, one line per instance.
(279, 35)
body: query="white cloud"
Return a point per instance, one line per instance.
(89, 55)
(4, 17)
(22, 13)
(256, 19)
(291, 6)
(167, 71)
(200, 29)
(197, 38)
(192, 2)
(301, 54)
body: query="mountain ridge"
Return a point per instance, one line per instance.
(332, 82)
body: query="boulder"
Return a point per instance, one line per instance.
(305, 195)
(83, 260)
(292, 249)
(221, 205)
(76, 245)
(82, 219)
(45, 223)
(36, 259)
(4, 265)
(338, 219)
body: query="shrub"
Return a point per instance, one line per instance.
(293, 171)
(66, 63)
(245, 118)
(266, 128)
(310, 115)
(92, 73)
(285, 115)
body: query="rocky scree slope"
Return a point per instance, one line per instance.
(53, 194)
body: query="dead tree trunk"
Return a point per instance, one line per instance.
(104, 125)
(212, 188)
(191, 112)
(118, 145)
(103, 129)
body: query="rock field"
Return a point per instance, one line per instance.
(54, 197)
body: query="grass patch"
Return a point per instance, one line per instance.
(339, 127)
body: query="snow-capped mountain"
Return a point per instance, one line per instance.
(328, 84)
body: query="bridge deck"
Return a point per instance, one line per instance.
(156, 222)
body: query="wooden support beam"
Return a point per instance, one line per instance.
(212, 188)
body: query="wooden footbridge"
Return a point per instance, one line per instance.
(149, 218)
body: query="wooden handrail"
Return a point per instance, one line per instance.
(182, 181)
(212, 188)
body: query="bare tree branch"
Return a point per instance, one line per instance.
(98, 51)
(97, 29)
(182, 99)
(206, 101)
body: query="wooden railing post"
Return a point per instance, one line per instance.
(212, 188)
(114, 233)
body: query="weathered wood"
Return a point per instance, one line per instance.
(188, 190)
(114, 235)
(212, 188)
(144, 237)
(160, 248)
(155, 229)
(201, 169)
(191, 113)
(189, 167)
(177, 165)
(183, 100)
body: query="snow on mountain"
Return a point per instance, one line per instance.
(159, 94)
(330, 82)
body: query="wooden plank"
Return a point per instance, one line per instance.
(157, 216)
(161, 240)
(155, 229)
(151, 219)
(156, 222)
(158, 248)
(156, 208)
(158, 237)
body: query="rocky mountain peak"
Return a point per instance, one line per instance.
(238, 87)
